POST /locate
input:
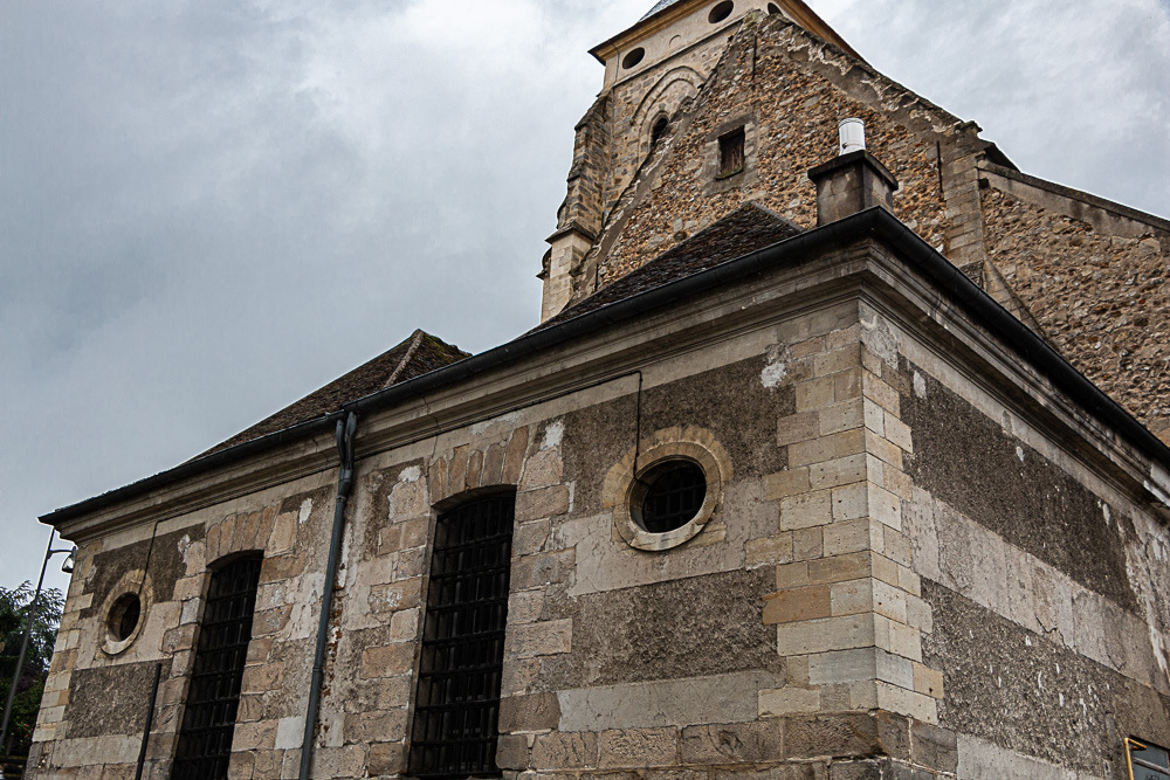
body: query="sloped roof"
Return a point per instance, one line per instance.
(748, 228)
(744, 230)
(659, 6)
(417, 355)
(650, 295)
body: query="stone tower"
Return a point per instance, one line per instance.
(653, 70)
(812, 471)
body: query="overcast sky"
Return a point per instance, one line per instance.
(210, 208)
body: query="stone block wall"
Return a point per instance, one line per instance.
(615, 657)
(901, 577)
(1040, 575)
(95, 727)
(795, 89)
(848, 608)
(1093, 276)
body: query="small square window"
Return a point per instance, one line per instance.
(731, 153)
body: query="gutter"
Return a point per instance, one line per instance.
(872, 223)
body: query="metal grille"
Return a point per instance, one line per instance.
(674, 494)
(458, 702)
(205, 742)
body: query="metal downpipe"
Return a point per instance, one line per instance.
(345, 435)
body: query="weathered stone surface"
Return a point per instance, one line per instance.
(933, 747)
(536, 712)
(681, 702)
(1101, 298)
(385, 758)
(388, 661)
(1064, 717)
(167, 565)
(512, 752)
(832, 735)
(109, 700)
(638, 748)
(965, 459)
(565, 750)
(732, 743)
(542, 638)
(634, 634)
(542, 502)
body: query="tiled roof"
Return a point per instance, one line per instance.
(748, 228)
(415, 356)
(744, 230)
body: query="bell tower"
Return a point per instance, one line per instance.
(652, 72)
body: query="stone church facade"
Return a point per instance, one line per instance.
(818, 466)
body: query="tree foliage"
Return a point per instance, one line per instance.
(17, 607)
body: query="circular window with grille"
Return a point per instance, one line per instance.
(668, 495)
(669, 500)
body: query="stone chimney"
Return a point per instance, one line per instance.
(853, 181)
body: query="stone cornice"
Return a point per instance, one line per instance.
(868, 257)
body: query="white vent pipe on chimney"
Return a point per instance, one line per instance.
(852, 132)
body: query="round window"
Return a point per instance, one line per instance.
(669, 495)
(123, 617)
(720, 12)
(668, 501)
(125, 608)
(633, 57)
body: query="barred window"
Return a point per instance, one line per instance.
(205, 741)
(669, 495)
(458, 701)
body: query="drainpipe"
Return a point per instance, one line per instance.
(345, 434)
(149, 722)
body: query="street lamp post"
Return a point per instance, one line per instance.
(29, 610)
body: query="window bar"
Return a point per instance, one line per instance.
(458, 697)
(205, 741)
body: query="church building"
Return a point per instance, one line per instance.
(840, 452)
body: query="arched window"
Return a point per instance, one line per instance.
(658, 130)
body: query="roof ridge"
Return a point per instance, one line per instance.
(770, 212)
(415, 340)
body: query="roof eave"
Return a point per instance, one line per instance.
(875, 222)
(800, 12)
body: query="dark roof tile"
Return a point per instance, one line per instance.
(748, 228)
(415, 356)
